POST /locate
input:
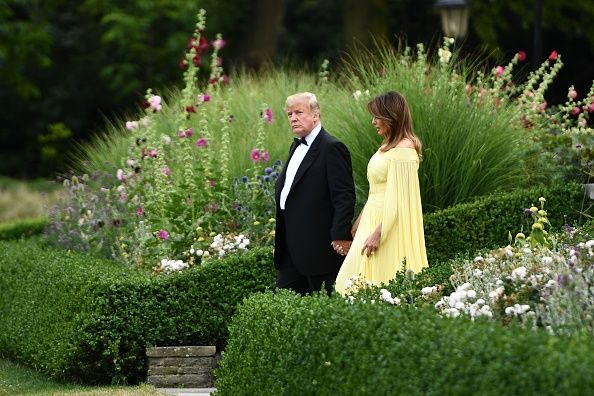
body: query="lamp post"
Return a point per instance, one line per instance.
(454, 17)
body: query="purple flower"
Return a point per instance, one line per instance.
(268, 115)
(163, 234)
(200, 143)
(255, 155)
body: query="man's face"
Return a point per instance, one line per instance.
(301, 119)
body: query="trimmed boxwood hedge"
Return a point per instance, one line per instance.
(22, 228)
(486, 222)
(84, 319)
(283, 344)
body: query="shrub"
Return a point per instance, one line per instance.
(22, 228)
(285, 344)
(486, 222)
(79, 318)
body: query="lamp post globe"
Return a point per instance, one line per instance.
(454, 17)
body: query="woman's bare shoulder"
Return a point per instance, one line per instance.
(405, 143)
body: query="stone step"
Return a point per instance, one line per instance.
(181, 367)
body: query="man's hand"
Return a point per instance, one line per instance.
(342, 247)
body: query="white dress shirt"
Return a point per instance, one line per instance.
(294, 163)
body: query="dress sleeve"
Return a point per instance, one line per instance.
(402, 200)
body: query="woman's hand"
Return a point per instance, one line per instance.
(371, 244)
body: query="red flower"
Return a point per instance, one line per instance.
(575, 111)
(182, 63)
(521, 56)
(190, 109)
(553, 56)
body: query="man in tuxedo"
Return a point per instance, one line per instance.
(315, 202)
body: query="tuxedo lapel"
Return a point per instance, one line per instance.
(280, 182)
(309, 159)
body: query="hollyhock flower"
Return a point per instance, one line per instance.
(225, 79)
(265, 156)
(218, 44)
(575, 111)
(268, 115)
(121, 175)
(219, 61)
(181, 134)
(553, 56)
(182, 63)
(521, 56)
(163, 234)
(543, 106)
(130, 162)
(139, 211)
(582, 122)
(255, 155)
(188, 132)
(200, 46)
(166, 171)
(591, 108)
(201, 98)
(499, 71)
(190, 109)
(131, 125)
(152, 153)
(200, 143)
(155, 103)
(572, 93)
(145, 121)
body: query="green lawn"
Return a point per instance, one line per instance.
(18, 380)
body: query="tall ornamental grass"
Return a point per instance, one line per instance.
(195, 170)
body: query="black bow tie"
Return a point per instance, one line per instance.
(300, 141)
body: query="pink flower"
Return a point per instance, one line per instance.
(120, 175)
(521, 56)
(166, 171)
(152, 153)
(131, 125)
(553, 56)
(181, 134)
(188, 132)
(212, 183)
(265, 156)
(499, 71)
(219, 61)
(218, 44)
(591, 108)
(268, 115)
(155, 103)
(543, 106)
(572, 93)
(255, 155)
(582, 122)
(139, 211)
(130, 162)
(201, 143)
(469, 88)
(201, 98)
(163, 234)
(575, 111)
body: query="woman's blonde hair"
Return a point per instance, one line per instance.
(392, 108)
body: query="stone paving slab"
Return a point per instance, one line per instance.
(187, 391)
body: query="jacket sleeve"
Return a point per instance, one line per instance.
(342, 190)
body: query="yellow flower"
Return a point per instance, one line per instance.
(542, 200)
(256, 223)
(271, 220)
(534, 209)
(537, 226)
(520, 235)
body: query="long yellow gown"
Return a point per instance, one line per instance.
(394, 201)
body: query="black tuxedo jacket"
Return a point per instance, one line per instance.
(319, 207)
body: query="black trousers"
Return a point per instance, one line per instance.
(290, 278)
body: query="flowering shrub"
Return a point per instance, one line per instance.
(539, 281)
(174, 186)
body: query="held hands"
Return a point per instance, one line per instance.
(342, 247)
(372, 242)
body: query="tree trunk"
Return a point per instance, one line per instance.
(260, 41)
(365, 21)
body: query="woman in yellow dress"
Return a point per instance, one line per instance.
(389, 229)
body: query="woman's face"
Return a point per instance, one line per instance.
(381, 126)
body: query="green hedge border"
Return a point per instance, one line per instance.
(23, 228)
(88, 320)
(283, 344)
